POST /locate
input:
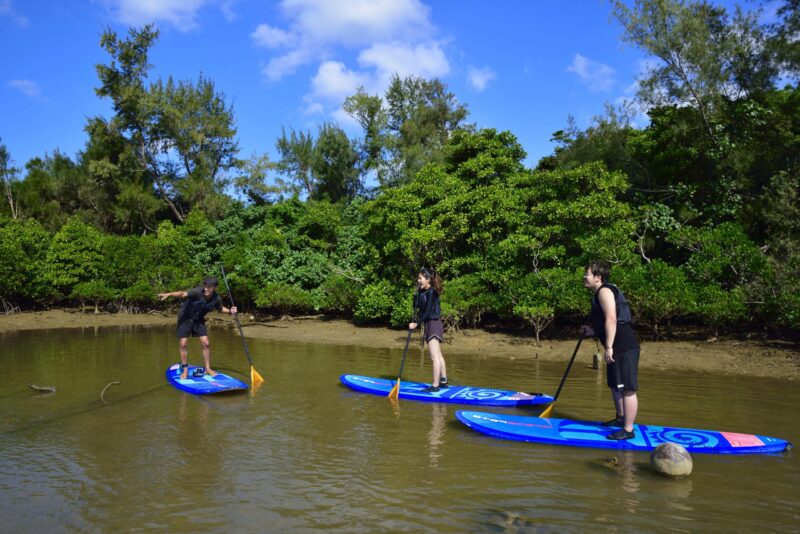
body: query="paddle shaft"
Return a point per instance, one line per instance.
(569, 366)
(394, 394)
(405, 351)
(236, 317)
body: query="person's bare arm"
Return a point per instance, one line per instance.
(179, 294)
(606, 298)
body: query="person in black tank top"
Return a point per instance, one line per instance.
(428, 312)
(612, 324)
(192, 320)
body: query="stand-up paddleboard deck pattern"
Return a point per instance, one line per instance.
(204, 384)
(454, 394)
(590, 434)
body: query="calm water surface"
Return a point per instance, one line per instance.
(304, 453)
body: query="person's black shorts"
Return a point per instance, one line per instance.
(191, 329)
(434, 329)
(623, 374)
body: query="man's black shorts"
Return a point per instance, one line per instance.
(192, 329)
(623, 374)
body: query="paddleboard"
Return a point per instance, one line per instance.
(589, 434)
(203, 384)
(453, 394)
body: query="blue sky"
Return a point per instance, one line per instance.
(519, 65)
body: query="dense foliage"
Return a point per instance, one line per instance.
(698, 212)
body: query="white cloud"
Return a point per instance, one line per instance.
(335, 82)
(269, 37)
(596, 76)
(279, 67)
(314, 108)
(226, 7)
(479, 78)
(388, 36)
(357, 22)
(7, 10)
(180, 13)
(315, 27)
(26, 87)
(425, 60)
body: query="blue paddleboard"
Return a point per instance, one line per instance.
(204, 384)
(452, 394)
(588, 434)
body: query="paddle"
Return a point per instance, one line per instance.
(255, 378)
(547, 411)
(395, 392)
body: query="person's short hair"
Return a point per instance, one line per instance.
(211, 281)
(601, 269)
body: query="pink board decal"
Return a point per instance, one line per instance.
(742, 440)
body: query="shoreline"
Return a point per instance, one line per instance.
(731, 357)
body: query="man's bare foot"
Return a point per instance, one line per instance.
(210, 371)
(185, 374)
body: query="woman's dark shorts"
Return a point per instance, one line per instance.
(623, 374)
(434, 329)
(191, 329)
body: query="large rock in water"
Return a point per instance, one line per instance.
(672, 460)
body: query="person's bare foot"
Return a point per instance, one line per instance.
(185, 373)
(210, 371)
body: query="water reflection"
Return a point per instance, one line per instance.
(439, 417)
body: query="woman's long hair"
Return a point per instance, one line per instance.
(434, 278)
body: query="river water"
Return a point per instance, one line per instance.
(303, 453)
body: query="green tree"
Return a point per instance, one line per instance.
(718, 307)
(335, 165)
(297, 160)
(182, 133)
(74, 256)
(118, 187)
(707, 57)
(370, 113)
(253, 181)
(8, 175)
(23, 251)
(411, 130)
(95, 291)
(53, 190)
(783, 40)
(657, 292)
(723, 255)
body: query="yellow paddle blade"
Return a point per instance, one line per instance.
(395, 392)
(255, 378)
(547, 411)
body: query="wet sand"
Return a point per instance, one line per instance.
(727, 356)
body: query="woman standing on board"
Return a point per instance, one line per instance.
(429, 313)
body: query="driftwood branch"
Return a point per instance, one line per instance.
(42, 389)
(102, 398)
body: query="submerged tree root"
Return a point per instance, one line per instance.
(42, 389)
(102, 398)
